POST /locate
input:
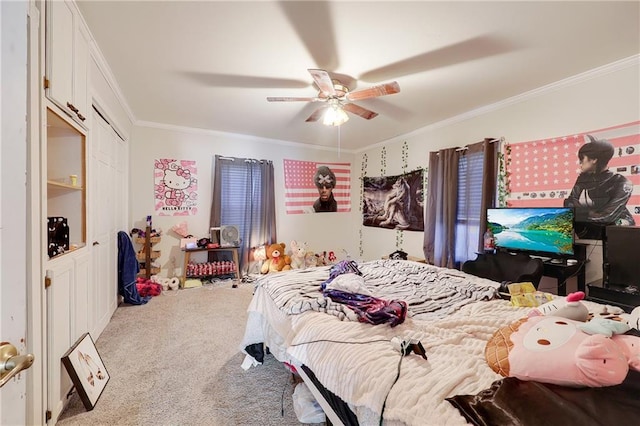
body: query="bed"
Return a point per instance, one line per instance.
(357, 369)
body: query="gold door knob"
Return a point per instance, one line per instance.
(11, 363)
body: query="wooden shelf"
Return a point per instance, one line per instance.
(152, 240)
(142, 256)
(153, 271)
(147, 254)
(65, 157)
(187, 258)
(56, 184)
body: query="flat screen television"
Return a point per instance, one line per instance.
(544, 231)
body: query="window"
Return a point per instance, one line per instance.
(243, 195)
(462, 184)
(241, 188)
(469, 211)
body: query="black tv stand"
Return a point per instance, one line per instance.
(561, 270)
(621, 296)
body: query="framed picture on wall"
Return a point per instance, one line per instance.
(394, 202)
(87, 372)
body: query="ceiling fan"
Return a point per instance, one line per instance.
(338, 98)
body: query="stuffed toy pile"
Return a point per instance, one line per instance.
(556, 344)
(277, 260)
(147, 287)
(298, 255)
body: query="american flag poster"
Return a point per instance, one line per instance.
(543, 173)
(175, 187)
(303, 181)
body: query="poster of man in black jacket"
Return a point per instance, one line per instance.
(325, 181)
(599, 196)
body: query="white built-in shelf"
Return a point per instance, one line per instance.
(62, 185)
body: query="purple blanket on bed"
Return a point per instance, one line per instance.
(371, 309)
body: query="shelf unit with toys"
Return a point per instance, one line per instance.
(210, 269)
(146, 256)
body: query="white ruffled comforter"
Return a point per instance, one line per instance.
(449, 312)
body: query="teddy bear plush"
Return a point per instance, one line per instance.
(310, 259)
(277, 260)
(259, 256)
(298, 254)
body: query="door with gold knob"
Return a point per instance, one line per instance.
(13, 212)
(12, 363)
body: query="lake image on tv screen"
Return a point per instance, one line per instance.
(548, 230)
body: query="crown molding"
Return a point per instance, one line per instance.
(544, 90)
(240, 136)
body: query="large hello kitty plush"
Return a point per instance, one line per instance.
(551, 349)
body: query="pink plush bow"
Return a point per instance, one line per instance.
(181, 229)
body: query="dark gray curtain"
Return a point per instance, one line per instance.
(458, 195)
(442, 199)
(243, 195)
(491, 147)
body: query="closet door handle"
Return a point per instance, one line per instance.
(95, 243)
(72, 107)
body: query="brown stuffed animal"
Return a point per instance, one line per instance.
(277, 260)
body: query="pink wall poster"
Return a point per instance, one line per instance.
(176, 187)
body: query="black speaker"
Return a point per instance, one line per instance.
(621, 261)
(605, 272)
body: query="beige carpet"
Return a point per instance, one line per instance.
(176, 361)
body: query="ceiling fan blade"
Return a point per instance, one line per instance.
(323, 80)
(243, 81)
(290, 99)
(358, 110)
(317, 114)
(312, 21)
(373, 92)
(464, 51)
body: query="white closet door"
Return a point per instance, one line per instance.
(105, 192)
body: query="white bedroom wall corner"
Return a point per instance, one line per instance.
(608, 96)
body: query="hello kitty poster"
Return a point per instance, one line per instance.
(175, 187)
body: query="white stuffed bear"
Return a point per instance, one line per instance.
(298, 253)
(632, 319)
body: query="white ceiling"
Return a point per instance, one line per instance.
(211, 64)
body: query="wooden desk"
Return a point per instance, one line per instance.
(187, 257)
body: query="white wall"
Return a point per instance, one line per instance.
(335, 231)
(601, 98)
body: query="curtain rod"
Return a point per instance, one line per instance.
(246, 160)
(464, 148)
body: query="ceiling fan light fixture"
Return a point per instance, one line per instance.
(335, 115)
